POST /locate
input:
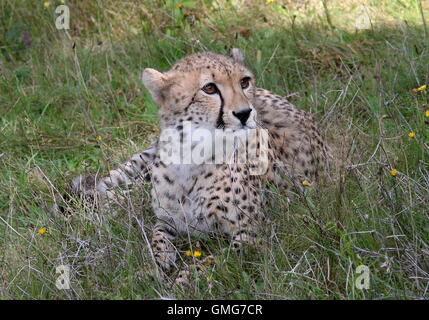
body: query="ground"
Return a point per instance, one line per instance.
(72, 102)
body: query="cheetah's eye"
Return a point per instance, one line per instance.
(210, 88)
(245, 82)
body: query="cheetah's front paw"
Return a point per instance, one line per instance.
(164, 252)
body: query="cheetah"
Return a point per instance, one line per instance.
(216, 93)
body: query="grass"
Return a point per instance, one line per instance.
(60, 90)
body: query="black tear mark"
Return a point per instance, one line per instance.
(219, 122)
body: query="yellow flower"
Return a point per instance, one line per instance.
(427, 113)
(46, 4)
(196, 253)
(419, 89)
(411, 135)
(270, 1)
(394, 172)
(305, 183)
(180, 5)
(99, 138)
(422, 88)
(42, 231)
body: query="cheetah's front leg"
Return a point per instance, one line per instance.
(243, 237)
(163, 247)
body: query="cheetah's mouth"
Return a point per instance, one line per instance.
(220, 124)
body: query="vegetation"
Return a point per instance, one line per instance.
(71, 102)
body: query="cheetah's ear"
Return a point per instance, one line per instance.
(237, 55)
(155, 82)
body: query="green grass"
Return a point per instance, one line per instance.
(56, 98)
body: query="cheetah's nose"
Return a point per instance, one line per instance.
(242, 115)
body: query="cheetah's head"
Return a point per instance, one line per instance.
(209, 90)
